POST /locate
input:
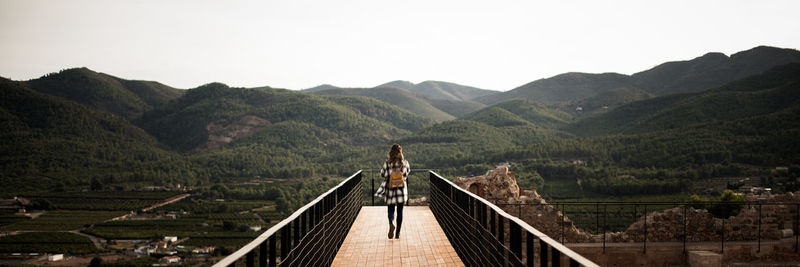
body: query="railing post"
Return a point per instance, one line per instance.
(515, 238)
(543, 249)
(284, 242)
(297, 237)
(684, 229)
(249, 261)
(597, 217)
(493, 222)
(529, 248)
(303, 222)
(645, 229)
(759, 226)
(262, 254)
(563, 217)
(556, 262)
(272, 251)
(501, 229)
(483, 215)
(372, 193)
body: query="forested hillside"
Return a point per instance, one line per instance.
(68, 129)
(441, 90)
(216, 110)
(396, 96)
(49, 142)
(702, 73)
(771, 92)
(126, 98)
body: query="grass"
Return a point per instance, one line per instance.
(6, 219)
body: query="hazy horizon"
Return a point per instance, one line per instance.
(303, 44)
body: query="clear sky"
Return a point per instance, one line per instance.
(298, 44)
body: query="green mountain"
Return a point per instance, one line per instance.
(708, 71)
(382, 111)
(395, 96)
(211, 116)
(457, 108)
(319, 88)
(49, 140)
(560, 88)
(774, 91)
(441, 90)
(520, 112)
(459, 132)
(496, 117)
(538, 114)
(609, 99)
(126, 98)
(711, 70)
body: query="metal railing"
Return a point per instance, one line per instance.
(311, 236)
(484, 235)
(593, 217)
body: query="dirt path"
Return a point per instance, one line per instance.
(94, 239)
(259, 218)
(166, 202)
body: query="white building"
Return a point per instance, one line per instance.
(171, 259)
(170, 238)
(55, 257)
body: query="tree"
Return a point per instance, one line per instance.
(41, 204)
(96, 262)
(96, 185)
(228, 225)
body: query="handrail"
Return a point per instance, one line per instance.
(543, 237)
(243, 251)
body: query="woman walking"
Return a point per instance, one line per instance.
(395, 186)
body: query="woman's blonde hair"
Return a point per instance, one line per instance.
(395, 155)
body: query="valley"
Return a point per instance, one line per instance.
(102, 155)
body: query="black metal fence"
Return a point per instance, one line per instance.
(604, 218)
(311, 236)
(484, 235)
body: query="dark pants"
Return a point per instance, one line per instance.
(399, 215)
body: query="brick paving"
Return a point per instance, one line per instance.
(422, 242)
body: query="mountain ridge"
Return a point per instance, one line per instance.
(707, 71)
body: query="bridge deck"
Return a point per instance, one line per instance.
(422, 242)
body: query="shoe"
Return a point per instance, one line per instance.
(397, 235)
(391, 230)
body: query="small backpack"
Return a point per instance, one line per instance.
(396, 178)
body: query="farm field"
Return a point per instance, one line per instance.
(63, 220)
(49, 242)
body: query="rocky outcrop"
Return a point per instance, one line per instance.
(496, 185)
(219, 135)
(499, 186)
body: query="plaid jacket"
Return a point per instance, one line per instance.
(394, 195)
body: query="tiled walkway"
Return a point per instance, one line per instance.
(422, 242)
